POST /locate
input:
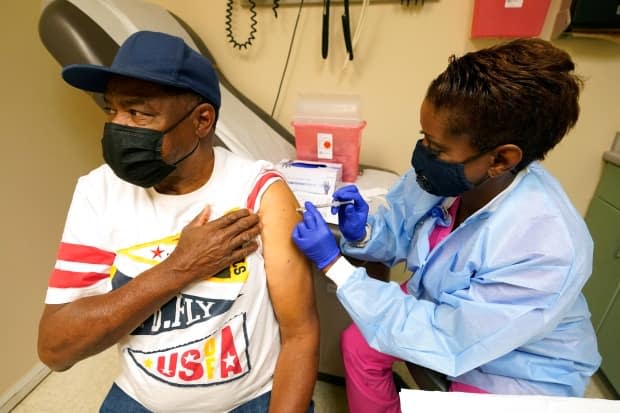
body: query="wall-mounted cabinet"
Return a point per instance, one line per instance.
(603, 289)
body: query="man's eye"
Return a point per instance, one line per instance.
(135, 112)
(108, 110)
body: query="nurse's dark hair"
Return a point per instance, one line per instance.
(523, 92)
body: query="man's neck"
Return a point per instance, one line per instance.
(191, 174)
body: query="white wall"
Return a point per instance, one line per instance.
(49, 136)
(400, 51)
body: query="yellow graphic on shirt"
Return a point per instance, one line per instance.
(237, 272)
(153, 252)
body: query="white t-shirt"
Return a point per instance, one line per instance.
(214, 346)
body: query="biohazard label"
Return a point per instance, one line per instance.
(513, 4)
(324, 146)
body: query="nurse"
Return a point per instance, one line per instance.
(498, 253)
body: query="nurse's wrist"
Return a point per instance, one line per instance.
(331, 263)
(361, 243)
(340, 270)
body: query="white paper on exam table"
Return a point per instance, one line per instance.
(320, 178)
(426, 401)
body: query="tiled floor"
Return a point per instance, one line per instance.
(83, 387)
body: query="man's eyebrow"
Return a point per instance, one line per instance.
(133, 100)
(129, 100)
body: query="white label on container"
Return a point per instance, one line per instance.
(324, 145)
(513, 4)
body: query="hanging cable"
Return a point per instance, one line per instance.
(253, 24)
(358, 29)
(290, 47)
(276, 4)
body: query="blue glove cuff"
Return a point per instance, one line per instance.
(362, 243)
(326, 261)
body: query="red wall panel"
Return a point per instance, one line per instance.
(508, 18)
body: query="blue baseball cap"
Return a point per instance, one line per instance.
(154, 57)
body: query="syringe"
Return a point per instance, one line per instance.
(335, 204)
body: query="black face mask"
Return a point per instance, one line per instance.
(439, 177)
(134, 154)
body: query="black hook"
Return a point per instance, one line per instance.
(346, 29)
(325, 30)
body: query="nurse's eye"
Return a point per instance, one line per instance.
(434, 151)
(430, 145)
(432, 148)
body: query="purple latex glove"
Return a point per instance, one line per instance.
(314, 238)
(351, 217)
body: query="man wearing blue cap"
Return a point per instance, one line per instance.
(163, 253)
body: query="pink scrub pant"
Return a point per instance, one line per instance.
(368, 375)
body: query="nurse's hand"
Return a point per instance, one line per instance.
(351, 217)
(314, 238)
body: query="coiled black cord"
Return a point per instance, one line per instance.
(276, 4)
(253, 24)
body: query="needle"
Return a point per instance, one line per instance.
(326, 205)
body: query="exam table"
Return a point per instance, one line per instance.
(90, 31)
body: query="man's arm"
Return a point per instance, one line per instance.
(73, 331)
(291, 290)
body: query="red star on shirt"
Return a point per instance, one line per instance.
(157, 252)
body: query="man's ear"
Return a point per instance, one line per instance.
(507, 157)
(205, 120)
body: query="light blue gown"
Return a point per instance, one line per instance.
(497, 304)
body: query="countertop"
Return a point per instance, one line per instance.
(612, 157)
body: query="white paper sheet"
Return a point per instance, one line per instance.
(434, 401)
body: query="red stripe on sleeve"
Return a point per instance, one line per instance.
(84, 254)
(71, 279)
(258, 186)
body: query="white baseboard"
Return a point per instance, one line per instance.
(25, 385)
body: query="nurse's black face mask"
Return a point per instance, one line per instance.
(439, 177)
(134, 153)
